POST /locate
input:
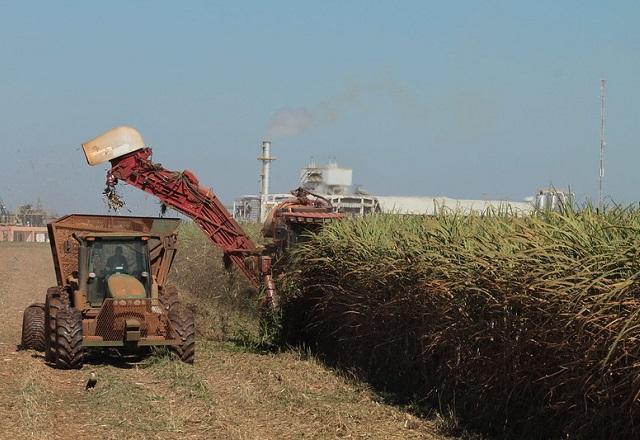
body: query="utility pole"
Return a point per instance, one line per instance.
(602, 144)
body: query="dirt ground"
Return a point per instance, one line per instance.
(228, 394)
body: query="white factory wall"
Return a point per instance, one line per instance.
(434, 205)
(337, 176)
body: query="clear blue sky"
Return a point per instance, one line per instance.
(477, 99)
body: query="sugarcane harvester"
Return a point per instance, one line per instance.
(131, 163)
(112, 272)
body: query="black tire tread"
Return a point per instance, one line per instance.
(33, 333)
(183, 324)
(55, 302)
(168, 296)
(69, 349)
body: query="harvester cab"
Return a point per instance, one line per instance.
(111, 291)
(117, 267)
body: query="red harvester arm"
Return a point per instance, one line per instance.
(182, 192)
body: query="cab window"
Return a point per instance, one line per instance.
(108, 257)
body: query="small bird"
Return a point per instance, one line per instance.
(91, 383)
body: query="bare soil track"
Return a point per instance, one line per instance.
(228, 393)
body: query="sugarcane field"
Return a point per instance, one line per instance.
(339, 220)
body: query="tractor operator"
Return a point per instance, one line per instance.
(117, 261)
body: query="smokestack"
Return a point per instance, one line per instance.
(266, 167)
(266, 160)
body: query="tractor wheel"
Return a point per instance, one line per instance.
(168, 296)
(182, 322)
(33, 335)
(69, 350)
(53, 304)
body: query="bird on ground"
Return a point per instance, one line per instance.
(91, 383)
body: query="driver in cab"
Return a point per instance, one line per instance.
(117, 262)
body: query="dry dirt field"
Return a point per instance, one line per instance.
(228, 394)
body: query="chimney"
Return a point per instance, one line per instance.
(266, 160)
(266, 165)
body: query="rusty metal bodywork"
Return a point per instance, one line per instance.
(125, 319)
(290, 220)
(64, 247)
(134, 321)
(124, 286)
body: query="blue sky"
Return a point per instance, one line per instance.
(478, 99)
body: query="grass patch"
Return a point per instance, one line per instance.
(525, 327)
(225, 305)
(449, 424)
(33, 401)
(131, 407)
(180, 376)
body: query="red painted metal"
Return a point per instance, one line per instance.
(182, 192)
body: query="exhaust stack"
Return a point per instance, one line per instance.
(112, 144)
(266, 160)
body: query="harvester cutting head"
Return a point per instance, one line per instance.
(112, 144)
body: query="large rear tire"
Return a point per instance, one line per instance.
(182, 322)
(55, 302)
(168, 296)
(69, 349)
(33, 333)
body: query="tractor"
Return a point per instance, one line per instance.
(111, 291)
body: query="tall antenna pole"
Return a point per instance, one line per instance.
(602, 143)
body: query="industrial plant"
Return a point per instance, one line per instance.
(335, 184)
(27, 223)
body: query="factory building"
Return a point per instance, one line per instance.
(248, 208)
(335, 184)
(26, 224)
(330, 181)
(441, 205)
